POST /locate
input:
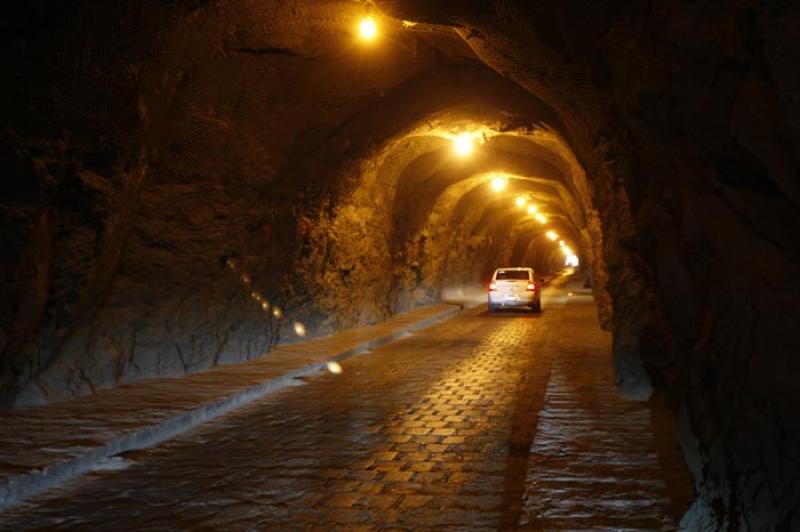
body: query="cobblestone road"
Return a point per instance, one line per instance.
(428, 432)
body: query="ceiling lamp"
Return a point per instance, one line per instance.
(499, 184)
(367, 29)
(463, 144)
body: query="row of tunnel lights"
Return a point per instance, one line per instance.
(463, 145)
(368, 30)
(274, 310)
(570, 258)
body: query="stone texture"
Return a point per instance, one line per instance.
(46, 445)
(599, 460)
(149, 147)
(243, 154)
(682, 116)
(432, 431)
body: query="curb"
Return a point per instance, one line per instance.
(18, 488)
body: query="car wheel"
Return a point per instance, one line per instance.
(537, 308)
(492, 309)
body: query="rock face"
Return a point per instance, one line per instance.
(184, 182)
(187, 182)
(686, 118)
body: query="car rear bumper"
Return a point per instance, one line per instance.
(501, 301)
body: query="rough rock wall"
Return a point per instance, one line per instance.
(686, 118)
(186, 181)
(150, 144)
(170, 168)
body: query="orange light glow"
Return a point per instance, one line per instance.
(463, 145)
(572, 260)
(367, 29)
(532, 209)
(499, 184)
(552, 235)
(521, 201)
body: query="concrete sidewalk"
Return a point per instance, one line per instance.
(600, 460)
(45, 445)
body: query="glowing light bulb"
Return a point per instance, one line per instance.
(562, 243)
(334, 367)
(367, 29)
(532, 209)
(541, 219)
(499, 184)
(463, 145)
(299, 329)
(572, 260)
(552, 235)
(521, 201)
(277, 312)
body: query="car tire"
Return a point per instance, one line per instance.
(492, 309)
(537, 308)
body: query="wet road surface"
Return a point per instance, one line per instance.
(432, 431)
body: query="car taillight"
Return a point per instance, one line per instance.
(531, 287)
(492, 287)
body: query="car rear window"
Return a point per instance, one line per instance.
(504, 275)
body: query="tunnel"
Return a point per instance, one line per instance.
(193, 184)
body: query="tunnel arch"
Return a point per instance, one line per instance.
(188, 146)
(413, 182)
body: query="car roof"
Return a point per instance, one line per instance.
(514, 268)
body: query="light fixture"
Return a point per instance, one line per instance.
(541, 219)
(463, 144)
(552, 235)
(499, 184)
(562, 243)
(532, 209)
(367, 29)
(521, 201)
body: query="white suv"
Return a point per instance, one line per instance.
(514, 287)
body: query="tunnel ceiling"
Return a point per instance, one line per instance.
(262, 152)
(186, 182)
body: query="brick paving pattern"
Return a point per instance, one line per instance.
(595, 463)
(432, 431)
(36, 437)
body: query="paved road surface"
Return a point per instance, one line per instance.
(428, 432)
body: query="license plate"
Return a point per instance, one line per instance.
(511, 298)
